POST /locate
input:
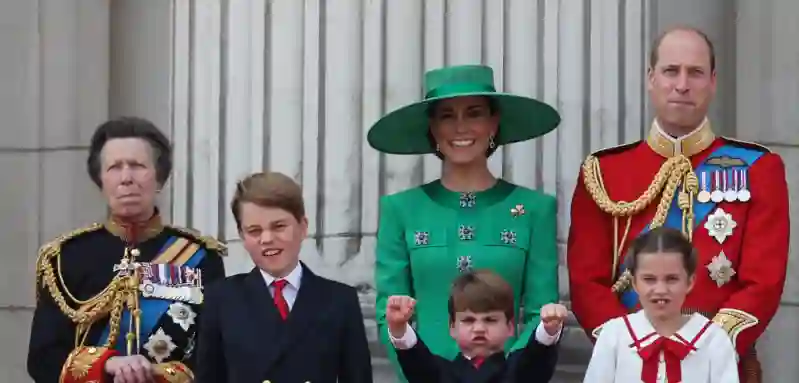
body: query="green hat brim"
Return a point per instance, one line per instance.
(405, 130)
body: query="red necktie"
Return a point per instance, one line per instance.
(673, 353)
(280, 301)
(477, 361)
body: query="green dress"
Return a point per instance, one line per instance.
(428, 235)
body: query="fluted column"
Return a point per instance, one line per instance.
(54, 76)
(767, 83)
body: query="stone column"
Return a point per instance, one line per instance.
(54, 71)
(140, 64)
(767, 84)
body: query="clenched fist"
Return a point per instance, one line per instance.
(552, 317)
(399, 311)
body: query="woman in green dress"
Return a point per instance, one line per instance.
(468, 218)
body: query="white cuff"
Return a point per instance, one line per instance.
(543, 337)
(407, 341)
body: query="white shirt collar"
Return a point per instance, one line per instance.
(293, 278)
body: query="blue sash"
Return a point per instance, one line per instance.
(151, 308)
(674, 217)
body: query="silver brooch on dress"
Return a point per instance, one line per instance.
(466, 233)
(464, 263)
(421, 238)
(508, 237)
(468, 200)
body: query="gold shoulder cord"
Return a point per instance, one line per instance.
(109, 301)
(672, 173)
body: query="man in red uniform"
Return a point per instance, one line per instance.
(728, 196)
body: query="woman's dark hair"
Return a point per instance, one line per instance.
(662, 240)
(131, 127)
(493, 108)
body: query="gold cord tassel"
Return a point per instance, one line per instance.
(675, 171)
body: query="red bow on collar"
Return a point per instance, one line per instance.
(673, 353)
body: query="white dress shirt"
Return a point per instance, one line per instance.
(292, 284)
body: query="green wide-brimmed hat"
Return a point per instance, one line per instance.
(405, 130)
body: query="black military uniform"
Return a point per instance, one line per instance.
(92, 282)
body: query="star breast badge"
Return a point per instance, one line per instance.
(720, 225)
(720, 269)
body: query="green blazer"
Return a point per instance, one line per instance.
(428, 235)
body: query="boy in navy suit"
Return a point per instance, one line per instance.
(280, 322)
(481, 310)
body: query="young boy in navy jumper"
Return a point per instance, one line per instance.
(481, 310)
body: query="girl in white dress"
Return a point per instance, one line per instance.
(659, 344)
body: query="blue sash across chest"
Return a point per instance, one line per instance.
(152, 309)
(674, 217)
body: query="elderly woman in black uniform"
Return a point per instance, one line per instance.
(119, 301)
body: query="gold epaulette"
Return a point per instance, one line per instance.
(207, 241)
(53, 249)
(748, 144)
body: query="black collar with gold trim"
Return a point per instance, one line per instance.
(691, 144)
(142, 231)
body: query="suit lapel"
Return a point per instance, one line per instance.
(307, 307)
(277, 335)
(268, 323)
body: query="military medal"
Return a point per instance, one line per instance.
(704, 195)
(743, 192)
(719, 225)
(730, 193)
(720, 269)
(717, 195)
(171, 282)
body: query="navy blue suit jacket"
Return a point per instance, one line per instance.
(243, 339)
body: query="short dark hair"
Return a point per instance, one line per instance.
(480, 291)
(493, 108)
(130, 127)
(662, 240)
(654, 54)
(269, 189)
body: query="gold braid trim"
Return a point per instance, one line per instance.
(53, 249)
(109, 301)
(173, 372)
(672, 173)
(207, 241)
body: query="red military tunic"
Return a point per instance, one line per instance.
(740, 275)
